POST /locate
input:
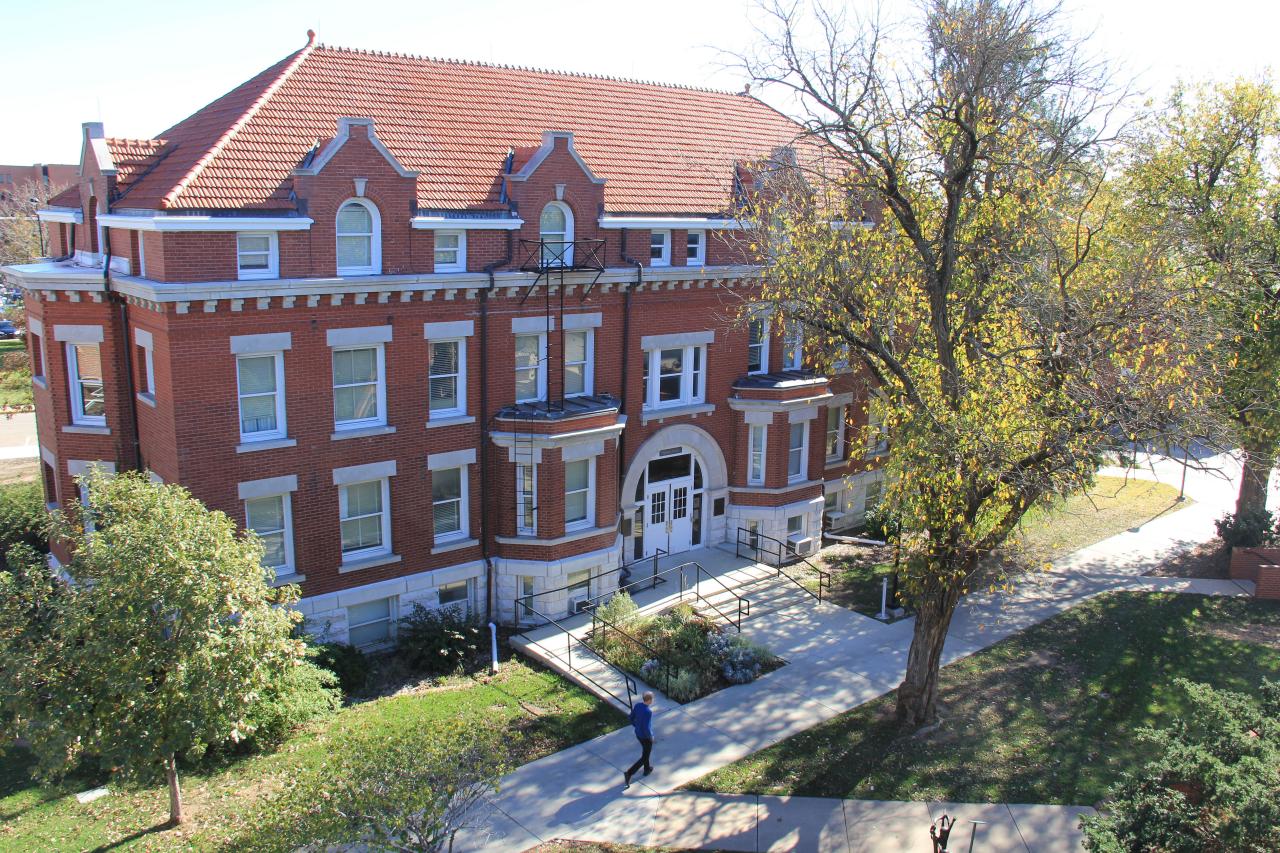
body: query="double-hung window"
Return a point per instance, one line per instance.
(451, 251)
(877, 433)
(526, 500)
(757, 346)
(695, 251)
(835, 433)
(270, 518)
(793, 347)
(88, 393)
(359, 239)
(372, 624)
(257, 255)
(675, 376)
(578, 363)
(659, 248)
(365, 513)
(755, 469)
(145, 344)
(447, 371)
(359, 387)
(531, 367)
(579, 506)
(449, 503)
(797, 450)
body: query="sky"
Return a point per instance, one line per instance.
(140, 67)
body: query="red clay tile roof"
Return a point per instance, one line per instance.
(660, 149)
(133, 157)
(70, 197)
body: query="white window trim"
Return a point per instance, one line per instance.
(375, 239)
(273, 256)
(589, 368)
(764, 345)
(381, 418)
(460, 379)
(804, 452)
(701, 256)
(521, 528)
(393, 619)
(840, 429)
(366, 553)
(589, 520)
(664, 257)
(78, 416)
(460, 265)
(287, 568)
(282, 427)
(542, 366)
(752, 478)
(692, 386)
(567, 238)
(464, 508)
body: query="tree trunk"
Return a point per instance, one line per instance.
(918, 693)
(175, 792)
(1255, 474)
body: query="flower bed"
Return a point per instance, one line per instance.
(680, 652)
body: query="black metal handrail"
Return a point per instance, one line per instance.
(570, 639)
(597, 619)
(755, 541)
(525, 602)
(741, 600)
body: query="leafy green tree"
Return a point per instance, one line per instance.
(160, 644)
(1204, 174)
(1213, 785)
(944, 221)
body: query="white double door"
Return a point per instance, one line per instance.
(669, 516)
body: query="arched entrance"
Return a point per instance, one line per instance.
(671, 491)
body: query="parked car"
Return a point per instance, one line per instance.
(8, 331)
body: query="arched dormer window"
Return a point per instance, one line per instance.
(555, 230)
(359, 231)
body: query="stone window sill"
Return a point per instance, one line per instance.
(82, 429)
(292, 577)
(269, 444)
(453, 545)
(361, 432)
(368, 563)
(571, 536)
(452, 420)
(149, 399)
(40, 383)
(661, 415)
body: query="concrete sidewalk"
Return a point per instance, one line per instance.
(838, 660)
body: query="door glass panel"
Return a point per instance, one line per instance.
(679, 502)
(658, 508)
(698, 500)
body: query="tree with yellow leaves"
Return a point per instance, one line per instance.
(945, 222)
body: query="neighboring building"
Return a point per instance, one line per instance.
(439, 332)
(53, 175)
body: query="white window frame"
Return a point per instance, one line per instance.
(464, 506)
(282, 428)
(588, 520)
(878, 485)
(763, 345)
(692, 382)
(375, 239)
(144, 341)
(392, 619)
(877, 435)
(459, 378)
(460, 258)
(803, 451)
(588, 365)
(363, 423)
(699, 255)
(757, 453)
(467, 594)
(793, 347)
(663, 258)
(286, 568)
(526, 500)
(78, 415)
(566, 238)
(359, 554)
(837, 434)
(273, 256)
(542, 367)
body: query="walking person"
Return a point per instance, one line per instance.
(642, 722)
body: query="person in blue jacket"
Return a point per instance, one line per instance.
(642, 722)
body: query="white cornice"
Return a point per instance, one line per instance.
(69, 215)
(170, 223)
(445, 223)
(651, 222)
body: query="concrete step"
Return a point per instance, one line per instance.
(585, 668)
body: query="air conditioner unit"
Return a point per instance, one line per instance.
(577, 604)
(799, 543)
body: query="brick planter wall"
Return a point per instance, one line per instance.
(1245, 562)
(1268, 582)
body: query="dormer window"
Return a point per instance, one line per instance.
(555, 230)
(359, 239)
(257, 255)
(659, 248)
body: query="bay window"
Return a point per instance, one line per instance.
(797, 450)
(835, 433)
(578, 363)
(88, 392)
(757, 346)
(526, 500)
(531, 367)
(755, 468)
(579, 503)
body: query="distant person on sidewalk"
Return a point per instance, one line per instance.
(642, 722)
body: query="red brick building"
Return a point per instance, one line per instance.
(52, 175)
(438, 332)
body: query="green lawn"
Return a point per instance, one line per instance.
(1112, 506)
(1045, 716)
(15, 383)
(544, 714)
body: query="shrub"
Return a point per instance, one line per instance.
(23, 518)
(1247, 530)
(347, 663)
(306, 692)
(882, 523)
(437, 640)
(618, 610)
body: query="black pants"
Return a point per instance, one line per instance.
(646, 746)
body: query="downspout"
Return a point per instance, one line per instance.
(128, 348)
(626, 352)
(491, 585)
